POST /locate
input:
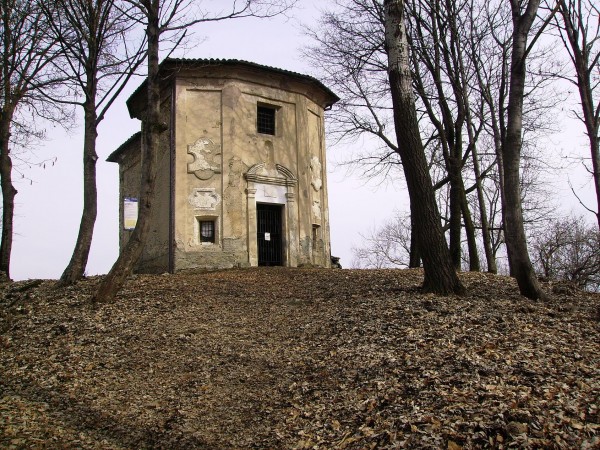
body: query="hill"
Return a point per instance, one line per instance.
(298, 358)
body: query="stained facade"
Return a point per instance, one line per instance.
(241, 171)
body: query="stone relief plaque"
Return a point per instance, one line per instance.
(236, 170)
(207, 158)
(269, 193)
(316, 208)
(204, 198)
(315, 169)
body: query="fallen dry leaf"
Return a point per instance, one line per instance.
(297, 358)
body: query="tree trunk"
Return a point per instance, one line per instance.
(76, 267)
(6, 115)
(8, 194)
(454, 168)
(485, 228)
(516, 241)
(414, 259)
(440, 276)
(498, 126)
(151, 130)
(474, 265)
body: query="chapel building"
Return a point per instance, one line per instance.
(241, 170)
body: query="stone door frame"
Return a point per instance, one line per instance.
(283, 183)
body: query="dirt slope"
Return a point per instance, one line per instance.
(298, 358)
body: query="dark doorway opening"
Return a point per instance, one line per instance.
(269, 227)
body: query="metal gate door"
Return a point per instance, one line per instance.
(269, 237)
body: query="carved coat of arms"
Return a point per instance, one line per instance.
(207, 158)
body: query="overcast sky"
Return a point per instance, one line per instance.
(48, 208)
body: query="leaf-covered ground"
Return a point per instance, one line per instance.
(298, 358)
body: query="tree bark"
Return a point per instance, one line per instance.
(414, 259)
(516, 241)
(454, 169)
(8, 193)
(440, 276)
(6, 115)
(152, 127)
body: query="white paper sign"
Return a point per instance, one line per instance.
(267, 236)
(130, 213)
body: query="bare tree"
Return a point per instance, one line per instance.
(27, 51)
(569, 250)
(436, 37)
(580, 32)
(351, 57)
(95, 58)
(164, 19)
(523, 16)
(487, 53)
(385, 246)
(460, 66)
(349, 54)
(440, 276)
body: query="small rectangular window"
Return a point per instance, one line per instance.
(265, 119)
(315, 236)
(207, 231)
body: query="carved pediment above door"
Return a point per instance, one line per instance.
(279, 175)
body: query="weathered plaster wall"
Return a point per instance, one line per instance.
(217, 143)
(198, 174)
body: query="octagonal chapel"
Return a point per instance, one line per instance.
(241, 169)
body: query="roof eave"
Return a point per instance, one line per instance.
(172, 64)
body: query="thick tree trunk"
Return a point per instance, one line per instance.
(152, 128)
(440, 276)
(453, 167)
(8, 194)
(516, 241)
(414, 259)
(448, 120)
(76, 268)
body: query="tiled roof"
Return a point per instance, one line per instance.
(171, 63)
(114, 156)
(241, 62)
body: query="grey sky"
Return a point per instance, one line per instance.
(48, 211)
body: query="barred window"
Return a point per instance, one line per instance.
(265, 119)
(207, 231)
